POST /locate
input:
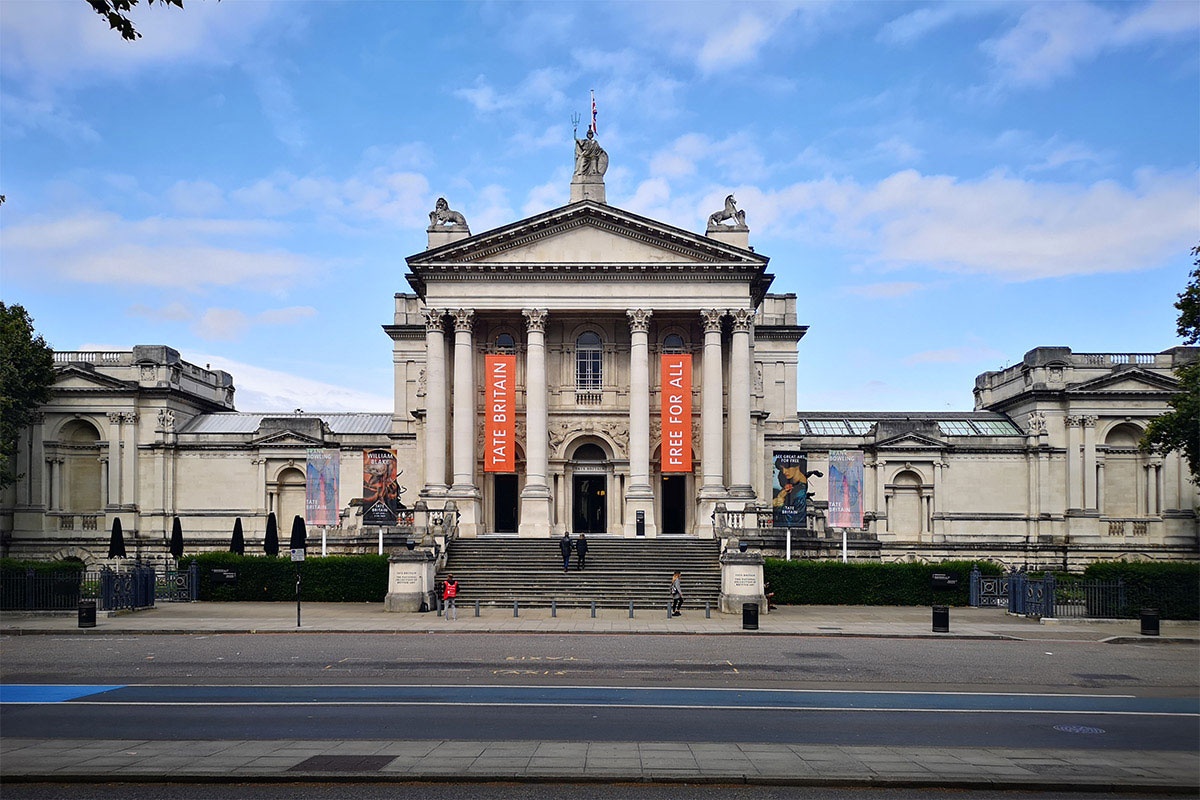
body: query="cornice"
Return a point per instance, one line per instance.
(780, 332)
(405, 332)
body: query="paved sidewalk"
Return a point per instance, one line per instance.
(63, 760)
(870, 621)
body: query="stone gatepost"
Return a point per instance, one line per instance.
(410, 581)
(741, 581)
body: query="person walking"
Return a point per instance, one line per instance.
(449, 595)
(564, 547)
(676, 594)
(581, 547)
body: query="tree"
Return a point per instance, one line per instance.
(1179, 429)
(114, 11)
(26, 375)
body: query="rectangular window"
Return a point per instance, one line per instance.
(589, 373)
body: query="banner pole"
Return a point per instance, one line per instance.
(788, 557)
(323, 530)
(843, 545)
(381, 540)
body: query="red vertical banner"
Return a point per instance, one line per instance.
(676, 391)
(499, 427)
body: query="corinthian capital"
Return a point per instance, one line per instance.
(1088, 421)
(639, 319)
(711, 319)
(464, 319)
(535, 319)
(742, 317)
(433, 320)
(1073, 421)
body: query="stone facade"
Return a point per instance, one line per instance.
(1044, 471)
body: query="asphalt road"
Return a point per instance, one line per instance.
(643, 660)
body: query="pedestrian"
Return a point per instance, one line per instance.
(564, 546)
(449, 593)
(581, 546)
(676, 594)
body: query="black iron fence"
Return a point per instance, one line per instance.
(128, 588)
(1070, 597)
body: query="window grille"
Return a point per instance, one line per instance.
(830, 427)
(859, 427)
(996, 427)
(505, 343)
(674, 344)
(957, 427)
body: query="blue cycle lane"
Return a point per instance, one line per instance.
(667, 697)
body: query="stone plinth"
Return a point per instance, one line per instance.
(440, 236)
(410, 581)
(741, 581)
(587, 187)
(737, 235)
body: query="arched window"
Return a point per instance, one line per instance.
(505, 343)
(673, 344)
(589, 452)
(589, 362)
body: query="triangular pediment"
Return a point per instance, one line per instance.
(586, 233)
(910, 441)
(78, 378)
(1130, 380)
(287, 438)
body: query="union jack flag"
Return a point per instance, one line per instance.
(594, 131)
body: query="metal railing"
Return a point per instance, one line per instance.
(1064, 597)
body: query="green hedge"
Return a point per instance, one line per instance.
(868, 584)
(1174, 588)
(7, 564)
(333, 579)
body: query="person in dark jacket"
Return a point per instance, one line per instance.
(564, 546)
(676, 594)
(581, 546)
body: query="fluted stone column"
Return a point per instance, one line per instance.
(639, 496)
(435, 405)
(1074, 464)
(712, 427)
(535, 497)
(464, 490)
(129, 477)
(1089, 462)
(114, 459)
(740, 382)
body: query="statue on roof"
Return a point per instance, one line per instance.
(590, 158)
(730, 212)
(442, 214)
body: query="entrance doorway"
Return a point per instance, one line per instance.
(591, 503)
(506, 503)
(674, 503)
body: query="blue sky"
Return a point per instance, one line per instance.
(944, 186)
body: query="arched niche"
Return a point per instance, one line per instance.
(1122, 471)
(81, 448)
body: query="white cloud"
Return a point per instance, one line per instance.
(908, 28)
(93, 247)
(221, 324)
(734, 44)
(26, 115)
(172, 312)
(196, 197)
(264, 389)
(401, 199)
(541, 87)
(551, 194)
(1051, 39)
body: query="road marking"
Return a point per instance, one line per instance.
(666, 706)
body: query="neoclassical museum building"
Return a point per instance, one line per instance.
(588, 369)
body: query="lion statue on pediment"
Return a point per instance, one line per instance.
(444, 215)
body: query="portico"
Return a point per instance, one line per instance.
(588, 299)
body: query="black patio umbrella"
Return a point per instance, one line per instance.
(271, 543)
(299, 534)
(116, 543)
(177, 540)
(237, 544)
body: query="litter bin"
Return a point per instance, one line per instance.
(749, 616)
(1149, 622)
(87, 613)
(941, 619)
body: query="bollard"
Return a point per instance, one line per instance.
(593, 609)
(439, 606)
(516, 613)
(941, 619)
(668, 609)
(1149, 621)
(477, 608)
(631, 609)
(707, 610)
(554, 608)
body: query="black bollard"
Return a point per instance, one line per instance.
(477, 608)
(439, 606)
(631, 609)
(554, 608)
(668, 608)
(516, 613)
(707, 610)
(593, 609)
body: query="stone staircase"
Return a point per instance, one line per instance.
(498, 570)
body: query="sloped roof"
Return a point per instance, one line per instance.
(248, 422)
